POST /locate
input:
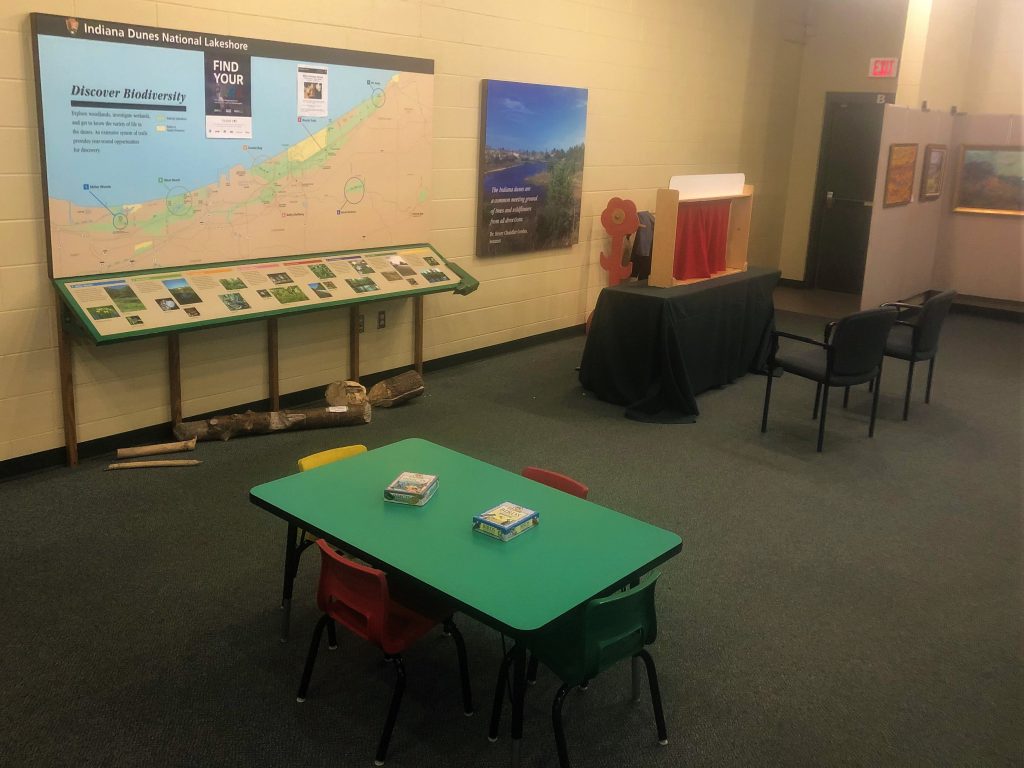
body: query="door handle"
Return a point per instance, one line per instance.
(831, 199)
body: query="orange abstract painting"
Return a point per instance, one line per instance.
(899, 174)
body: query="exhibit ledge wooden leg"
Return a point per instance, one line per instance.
(174, 375)
(418, 332)
(273, 371)
(353, 342)
(67, 385)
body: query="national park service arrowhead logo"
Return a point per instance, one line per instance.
(71, 24)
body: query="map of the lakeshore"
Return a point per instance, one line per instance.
(167, 148)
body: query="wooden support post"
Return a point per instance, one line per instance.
(273, 372)
(418, 332)
(739, 229)
(353, 342)
(174, 375)
(67, 384)
(663, 251)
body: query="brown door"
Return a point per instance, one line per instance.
(841, 218)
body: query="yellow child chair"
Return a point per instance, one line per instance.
(329, 456)
(297, 545)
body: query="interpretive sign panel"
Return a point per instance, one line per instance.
(531, 167)
(164, 148)
(116, 307)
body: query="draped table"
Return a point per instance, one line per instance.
(654, 350)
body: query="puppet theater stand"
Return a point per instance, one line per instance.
(702, 320)
(702, 229)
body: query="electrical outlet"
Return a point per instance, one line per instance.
(362, 323)
(380, 320)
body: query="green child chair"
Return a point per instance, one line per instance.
(582, 645)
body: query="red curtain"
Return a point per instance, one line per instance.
(702, 230)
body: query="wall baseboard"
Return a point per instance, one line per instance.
(789, 282)
(160, 433)
(1013, 311)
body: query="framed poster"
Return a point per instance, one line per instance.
(899, 175)
(933, 171)
(531, 167)
(990, 179)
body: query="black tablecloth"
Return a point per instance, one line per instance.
(655, 349)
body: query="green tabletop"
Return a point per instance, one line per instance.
(579, 550)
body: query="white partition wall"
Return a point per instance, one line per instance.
(926, 245)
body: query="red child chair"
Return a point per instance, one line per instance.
(357, 597)
(556, 480)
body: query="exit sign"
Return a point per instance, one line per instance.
(883, 68)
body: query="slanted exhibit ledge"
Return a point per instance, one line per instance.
(118, 307)
(112, 308)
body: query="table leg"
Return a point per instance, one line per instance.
(518, 698)
(291, 564)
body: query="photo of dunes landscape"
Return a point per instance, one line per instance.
(531, 167)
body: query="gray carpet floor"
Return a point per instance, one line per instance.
(858, 607)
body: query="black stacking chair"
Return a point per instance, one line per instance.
(851, 354)
(915, 337)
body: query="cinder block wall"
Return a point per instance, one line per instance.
(676, 86)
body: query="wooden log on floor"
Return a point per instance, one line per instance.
(157, 463)
(398, 389)
(154, 450)
(345, 393)
(252, 423)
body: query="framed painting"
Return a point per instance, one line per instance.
(990, 180)
(933, 172)
(899, 175)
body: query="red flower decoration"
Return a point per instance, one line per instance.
(619, 217)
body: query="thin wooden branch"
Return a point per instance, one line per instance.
(158, 463)
(153, 450)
